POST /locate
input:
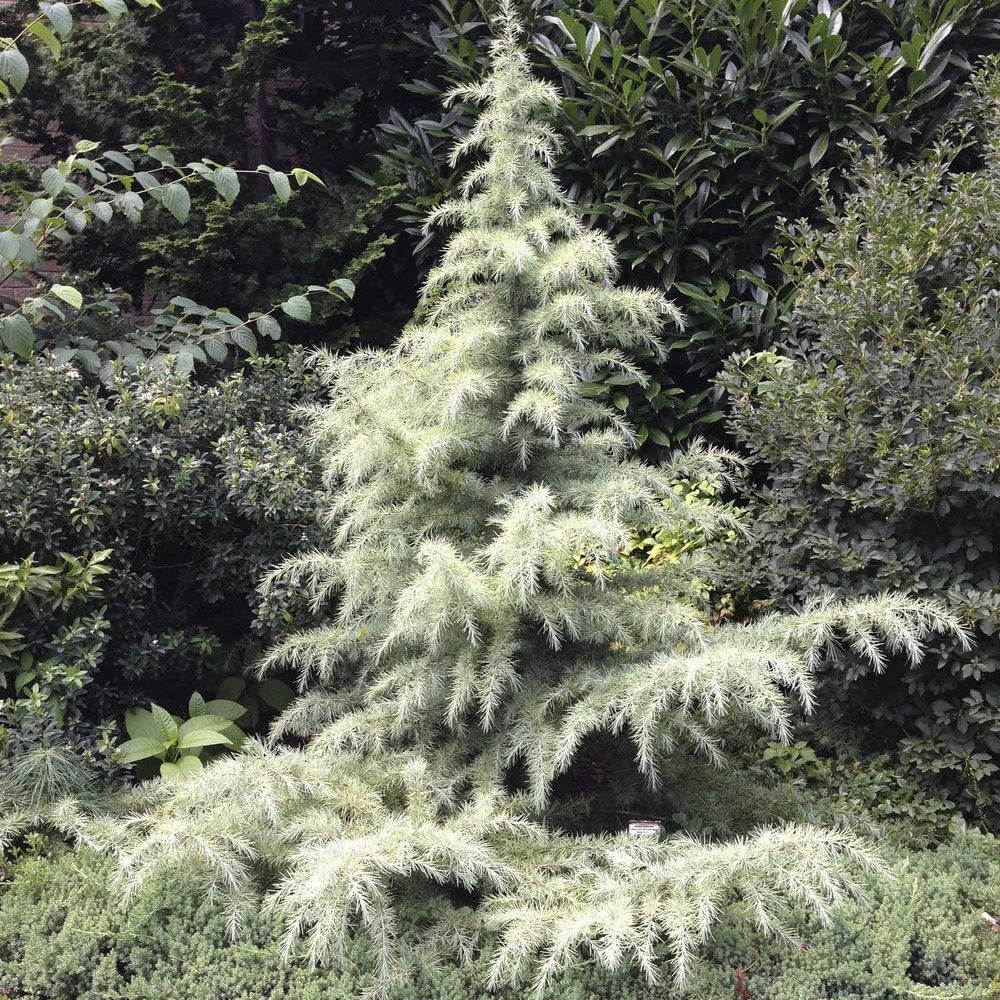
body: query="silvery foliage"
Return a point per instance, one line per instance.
(471, 476)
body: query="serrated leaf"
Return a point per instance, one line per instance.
(123, 161)
(14, 67)
(204, 738)
(162, 154)
(268, 326)
(113, 8)
(17, 335)
(140, 749)
(10, 245)
(53, 181)
(227, 183)
(59, 17)
(281, 185)
(216, 348)
(298, 307)
(176, 200)
(69, 295)
(103, 211)
(244, 339)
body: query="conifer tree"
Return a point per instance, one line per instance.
(485, 627)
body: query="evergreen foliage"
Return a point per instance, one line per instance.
(693, 127)
(875, 429)
(170, 493)
(470, 656)
(63, 937)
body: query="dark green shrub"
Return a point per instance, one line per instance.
(63, 937)
(243, 83)
(875, 426)
(194, 488)
(694, 126)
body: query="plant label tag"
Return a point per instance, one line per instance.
(645, 828)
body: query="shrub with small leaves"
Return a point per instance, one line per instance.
(874, 426)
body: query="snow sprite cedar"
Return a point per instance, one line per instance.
(468, 659)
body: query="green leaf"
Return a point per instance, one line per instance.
(103, 211)
(69, 295)
(176, 201)
(244, 339)
(140, 724)
(281, 185)
(184, 767)
(204, 738)
(215, 723)
(13, 67)
(345, 285)
(302, 176)
(196, 705)
(59, 17)
(17, 335)
(53, 181)
(819, 148)
(227, 183)
(45, 35)
(165, 723)
(276, 693)
(10, 245)
(114, 8)
(123, 161)
(140, 749)
(231, 710)
(231, 688)
(268, 326)
(298, 307)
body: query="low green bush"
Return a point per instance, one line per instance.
(927, 933)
